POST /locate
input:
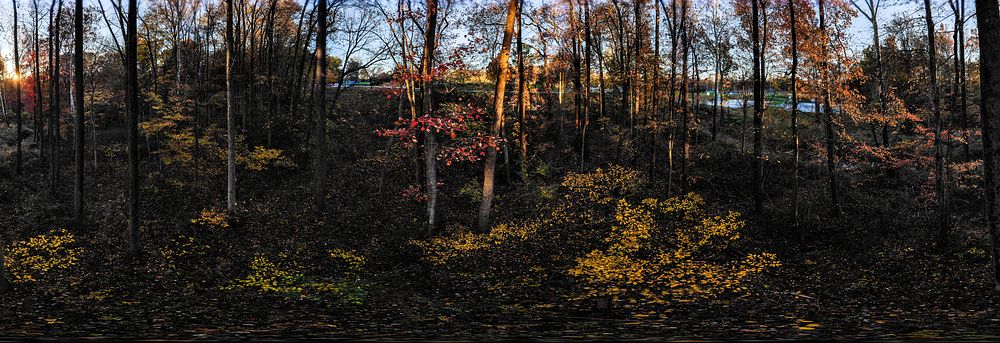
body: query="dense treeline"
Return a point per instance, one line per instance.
(630, 108)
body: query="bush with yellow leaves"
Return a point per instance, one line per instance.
(669, 250)
(212, 219)
(30, 259)
(534, 252)
(593, 235)
(261, 158)
(282, 278)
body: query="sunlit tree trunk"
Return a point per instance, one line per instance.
(656, 91)
(586, 77)
(498, 102)
(522, 94)
(230, 113)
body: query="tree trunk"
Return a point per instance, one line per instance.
(988, 22)
(79, 133)
(656, 91)
(498, 101)
(54, 102)
(17, 105)
(831, 139)
(230, 113)
(319, 109)
(586, 76)
(685, 90)
(430, 147)
(39, 133)
(939, 188)
(795, 115)
(132, 71)
(758, 111)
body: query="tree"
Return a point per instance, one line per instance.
(522, 93)
(319, 110)
(231, 111)
(758, 110)
(988, 23)
(498, 103)
(4, 282)
(831, 138)
(39, 134)
(939, 190)
(55, 107)
(78, 131)
(794, 44)
(132, 89)
(960, 96)
(430, 147)
(870, 12)
(17, 105)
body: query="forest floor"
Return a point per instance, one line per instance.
(872, 273)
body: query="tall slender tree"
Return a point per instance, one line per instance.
(39, 133)
(430, 144)
(132, 89)
(758, 110)
(230, 111)
(988, 23)
(586, 80)
(794, 44)
(55, 107)
(656, 90)
(522, 93)
(78, 129)
(498, 101)
(17, 101)
(960, 94)
(870, 12)
(831, 138)
(939, 187)
(319, 110)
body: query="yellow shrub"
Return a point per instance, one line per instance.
(211, 218)
(440, 250)
(351, 261)
(261, 158)
(270, 277)
(669, 251)
(603, 186)
(27, 260)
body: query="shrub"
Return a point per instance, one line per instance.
(283, 279)
(655, 250)
(211, 219)
(28, 260)
(669, 250)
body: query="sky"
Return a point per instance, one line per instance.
(859, 33)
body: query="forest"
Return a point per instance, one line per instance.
(500, 169)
